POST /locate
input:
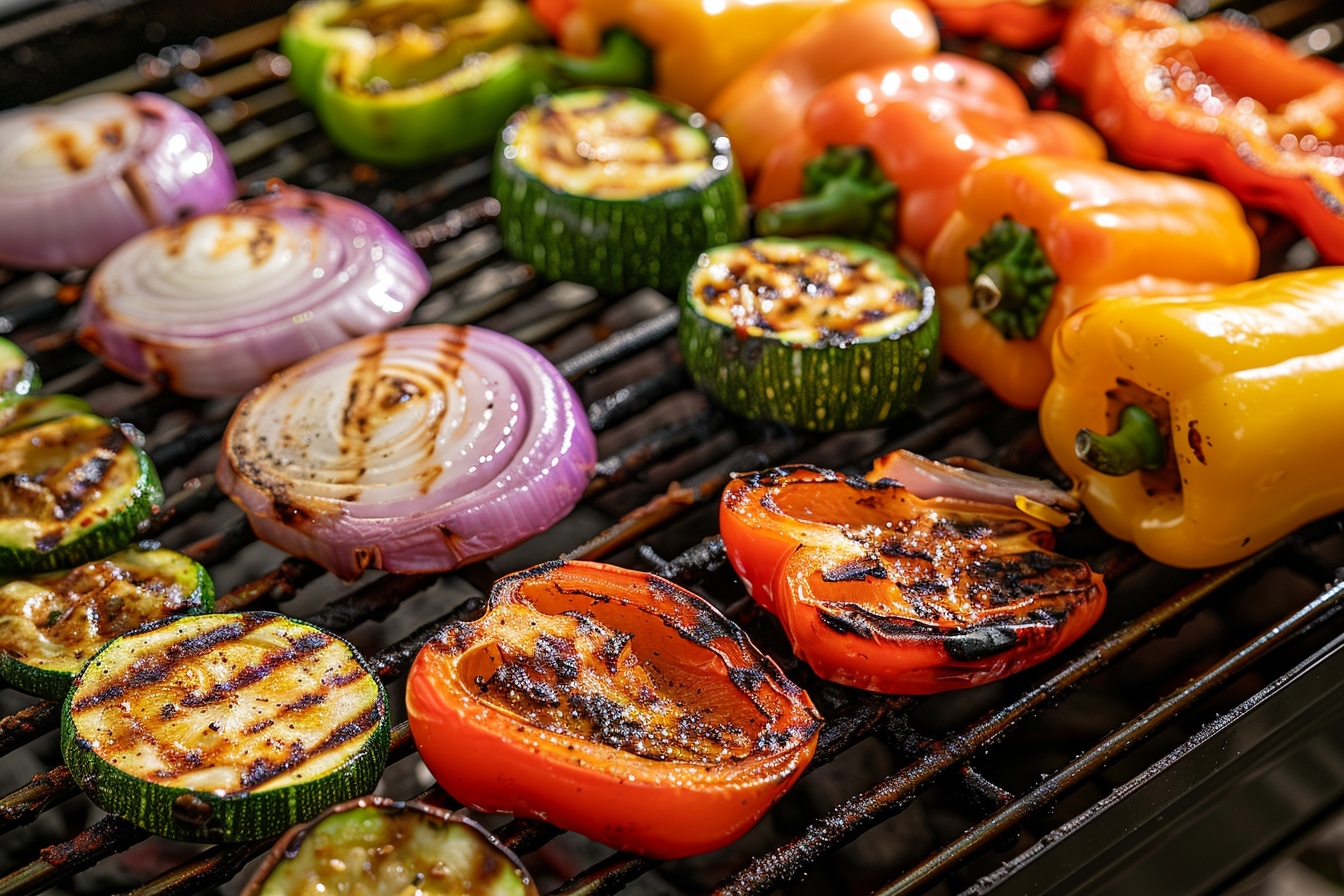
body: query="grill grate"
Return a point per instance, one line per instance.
(666, 456)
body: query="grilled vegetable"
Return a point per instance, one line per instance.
(407, 83)
(1217, 95)
(883, 590)
(21, 413)
(616, 189)
(80, 178)
(823, 334)
(72, 489)
(376, 847)
(1023, 24)
(412, 451)
(214, 305)
(926, 121)
(18, 375)
(1034, 238)
(1204, 427)
(612, 703)
(51, 624)
(228, 727)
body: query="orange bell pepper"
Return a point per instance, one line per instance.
(1220, 96)
(1021, 24)
(1035, 238)
(699, 45)
(926, 122)
(765, 103)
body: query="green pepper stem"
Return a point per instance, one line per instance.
(1012, 282)
(844, 193)
(624, 61)
(1136, 445)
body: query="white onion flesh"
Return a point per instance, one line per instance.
(926, 478)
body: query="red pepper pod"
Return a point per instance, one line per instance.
(885, 591)
(1021, 24)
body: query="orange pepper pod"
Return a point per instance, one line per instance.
(1035, 238)
(1219, 96)
(765, 103)
(926, 122)
(1020, 24)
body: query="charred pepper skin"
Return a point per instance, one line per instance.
(1219, 96)
(1244, 382)
(1101, 229)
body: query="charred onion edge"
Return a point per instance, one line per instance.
(969, 480)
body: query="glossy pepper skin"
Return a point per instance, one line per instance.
(926, 122)
(699, 45)
(1100, 229)
(1249, 379)
(612, 703)
(882, 590)
(1219, 96)
(1021, 24)
(763, 104)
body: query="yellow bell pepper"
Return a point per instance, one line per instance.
(1215, 416)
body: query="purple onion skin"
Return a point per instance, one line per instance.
(553, 462)
(176, 168)
(306, 271)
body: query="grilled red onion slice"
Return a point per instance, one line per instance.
(969, 480)
(78, 179)
(411, 451)
(215, 304)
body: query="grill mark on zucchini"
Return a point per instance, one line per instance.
(254, 673)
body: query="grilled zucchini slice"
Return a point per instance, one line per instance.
(50, 624)
(225, 727)
(616, 189)
(378, 847)
(18, 375)
(21, 413)
(71, 490)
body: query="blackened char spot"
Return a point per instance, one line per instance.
(979, 643)
(855, 571)
(1197, 443)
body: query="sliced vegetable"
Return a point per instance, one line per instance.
(616, 189)
(21, 413)
(214, 305)
(51, 624)
(880, 589)
(1023, 24)
(72, 489)
(823, 334)
(227, 727)
(374, 846)
(78, 179)
(412, 451)
(612, 703)
(18, 375)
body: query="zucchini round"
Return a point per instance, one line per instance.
(71, 490)
(616, 189)
(21, 413)
(824, 334)
(225, 727)
(50, 624)
(377, 847)
(18, 375)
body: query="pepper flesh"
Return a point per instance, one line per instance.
(927, 122)
(879, 589)
(763, 104)
(1103, 229)
(1246, 379)
(1021, 24)
(699, 45)
(1219, 96)
(612, 703)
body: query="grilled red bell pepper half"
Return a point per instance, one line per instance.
(881, 589)
(612, 703)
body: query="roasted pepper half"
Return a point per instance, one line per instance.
(1204, 427)
(765, 103)
(699, 45)
(926, 122)
(408, 82)
(1023, 24)
(1218, 95)
(879, 588)
(1034, 238)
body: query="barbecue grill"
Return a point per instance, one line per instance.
(1191, 737)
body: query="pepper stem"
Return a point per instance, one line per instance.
(844, 193)
(1136, 445)
(624, 61)
(1012, 281)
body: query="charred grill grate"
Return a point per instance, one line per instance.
(666, 456)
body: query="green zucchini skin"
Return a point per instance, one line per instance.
(203, 816)
(21, 413)
(18, 375)
(88, 536)
(620, 245)
(825, 386)
(51, 680)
